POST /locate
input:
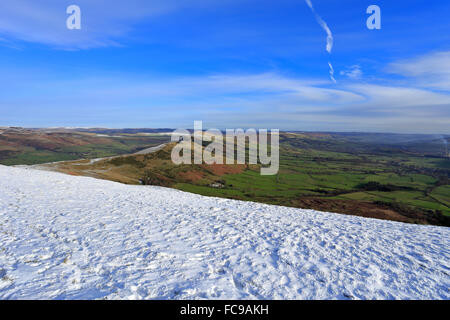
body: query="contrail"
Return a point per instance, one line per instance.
(330, 39)
(324, 26)
(331, 72)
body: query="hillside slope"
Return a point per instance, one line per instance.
(20, 146)
(65, 237)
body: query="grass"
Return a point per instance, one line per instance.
(107, 148)
(306, 173)
(324, 173)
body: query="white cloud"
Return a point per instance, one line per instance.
(392, 97)
(354, 72)
(225, 100)
(103, 22)
(431, 71)
(267, 100)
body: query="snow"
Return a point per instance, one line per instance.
(66, 237)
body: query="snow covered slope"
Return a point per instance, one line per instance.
(64, 237)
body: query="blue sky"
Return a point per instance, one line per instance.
(230, 63)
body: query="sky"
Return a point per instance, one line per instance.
(307, 65)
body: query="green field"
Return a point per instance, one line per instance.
(411, 184)
(31, 152)
(405, 179)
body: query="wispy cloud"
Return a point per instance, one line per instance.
(324, 26)
(226, 100)
(330, 39)
(431, 70)
(104, 22)
(331, 72)
(354, 72)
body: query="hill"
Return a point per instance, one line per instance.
(406, 178)
(19, 146)
(66, 237)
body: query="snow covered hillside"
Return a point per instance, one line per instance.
(65, 237)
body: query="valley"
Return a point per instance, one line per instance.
(405, 179)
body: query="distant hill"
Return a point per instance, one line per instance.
(33, 146)
(317, 171)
